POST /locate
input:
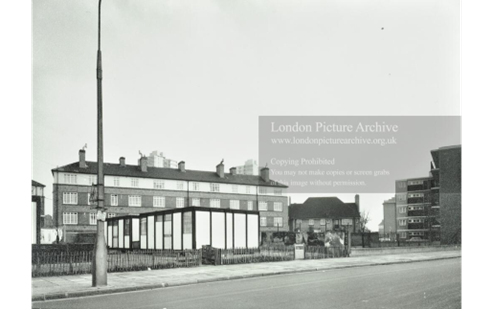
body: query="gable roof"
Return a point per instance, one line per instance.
(323, 207)
(115, 169)
(37, 184)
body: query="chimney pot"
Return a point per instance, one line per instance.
(220, 170)
(232, 171)
(143, 164)
(181, 166)
(264, 174)
(122, 161)
(82, 158)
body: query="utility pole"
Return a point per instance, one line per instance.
(99, 261)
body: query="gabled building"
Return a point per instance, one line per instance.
(136, 189)
(320, 214)
(37, 210)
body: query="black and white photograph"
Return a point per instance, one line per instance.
(245, 154)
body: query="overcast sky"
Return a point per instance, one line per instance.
(190, 78)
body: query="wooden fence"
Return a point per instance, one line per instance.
(57, 263)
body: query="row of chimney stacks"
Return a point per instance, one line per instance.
(264, 172)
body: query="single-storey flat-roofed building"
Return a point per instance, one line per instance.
(184, 229)
(321, 214)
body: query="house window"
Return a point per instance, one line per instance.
(158, 184)
(116, 181)
(263, 221)
(215, 203)
(277, 206)
(322, 222)
(195, 186)
(70, 218)
(92, 179)
(70, 198)
(134, 182)
(158, 201)
(262, 206)
(234, 204)
(70, 178)
(179, 185)
(250, 205)
(214, 187)
(195, 202)
(114, 200)
(89, 202)
(180, 202)
(143, 226)
(311, 222)
(262, 190)
(135, 200)
(277, 221)
(92, 218)
(234, 188)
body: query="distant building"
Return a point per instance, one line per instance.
(446, 191)
(389, 219)
(429, 208)
(157, 159)
(381, 233)
(37, 211)
(136, 189)
(250, 168)
(320, 214)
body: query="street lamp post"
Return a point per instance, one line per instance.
(99, 261)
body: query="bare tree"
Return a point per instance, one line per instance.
(364, 219)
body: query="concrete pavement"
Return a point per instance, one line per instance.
(45, 288)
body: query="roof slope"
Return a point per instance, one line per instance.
(37, 184)
(114, 169)
(323, 207)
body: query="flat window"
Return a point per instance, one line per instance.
(234, 204)
(70, 218)
(134, 200)
(114, 200)
(90, 200)
(311, 222)
(215, 203)
(116, 181)
(263, 221)
(143, 226)
(277, 221)
(158, 184)
(262, 190)
(92, 179)
(402, 210)
(402, 222)
(70, 178)
(180, 202)
(277, 206)
(70, 198)
(111, 215)
(158, 201)
(214, 187)
(322, 222)
(262, 206)
(234, 188)
(195, 202)
(195, 186)
(92, 218)
(134, 182)
(179, 185)
(250, 205)
(278, 191)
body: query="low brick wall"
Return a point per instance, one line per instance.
(399, 250)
